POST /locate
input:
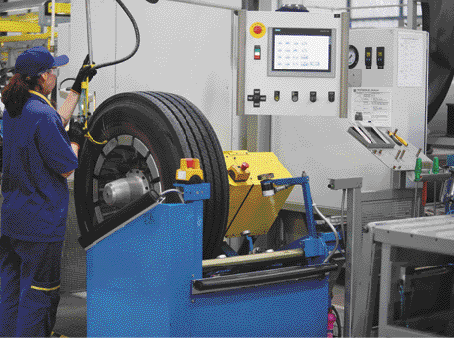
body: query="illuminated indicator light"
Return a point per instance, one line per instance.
(257, 53)
(190, 163)
(257, 29)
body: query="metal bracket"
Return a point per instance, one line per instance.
(345, 183)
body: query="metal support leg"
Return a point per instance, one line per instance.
(367, 286)
(412, 14)
(385, 282)
(353, 247)
(353, 255)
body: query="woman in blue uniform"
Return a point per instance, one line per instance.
(38, 156)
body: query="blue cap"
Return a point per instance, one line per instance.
(37, 60)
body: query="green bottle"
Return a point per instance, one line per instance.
(436, 166)
(418, 169)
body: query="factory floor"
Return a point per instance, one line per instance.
(72, 313)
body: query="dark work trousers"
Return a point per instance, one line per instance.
(29, 287)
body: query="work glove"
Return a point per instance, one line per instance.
(76, 131)
(84, 72)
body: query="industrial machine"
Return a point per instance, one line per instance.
(167, 280)
(255, 101)
(168, 290)
(293, 75)
(292, 66)
(145, 134)
(300, 87)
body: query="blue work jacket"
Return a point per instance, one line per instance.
(36, 151)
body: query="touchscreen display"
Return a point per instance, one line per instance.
(300, 49)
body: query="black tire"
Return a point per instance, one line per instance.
(170, 128)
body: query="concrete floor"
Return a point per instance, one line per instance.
(72, 315)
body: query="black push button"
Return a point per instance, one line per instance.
(256, 98)
(294, 96)
(331, 96)
(313, 96)
(380, 57)
(368, 56)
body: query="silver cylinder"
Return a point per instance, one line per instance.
(123, 191)
(89, 39)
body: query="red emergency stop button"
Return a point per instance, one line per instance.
(257, 29)
(190, 163)
(244, 166)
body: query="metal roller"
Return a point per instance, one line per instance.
(147, 134)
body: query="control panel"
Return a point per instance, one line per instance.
(388, 80)
(289, 63)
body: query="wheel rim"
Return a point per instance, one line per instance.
(110, 167)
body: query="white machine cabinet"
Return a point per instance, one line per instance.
(388, 80)
(392, 93)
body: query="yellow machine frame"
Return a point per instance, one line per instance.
(249, 210)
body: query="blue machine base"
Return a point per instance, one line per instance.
(139, 285)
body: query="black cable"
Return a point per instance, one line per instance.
(136, 30)
(69, 78)
(231, 222)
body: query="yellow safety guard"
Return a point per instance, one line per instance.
(248, 209)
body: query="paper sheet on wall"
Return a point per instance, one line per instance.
(371, 105)
(411, 56)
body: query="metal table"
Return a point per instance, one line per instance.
(412, 242)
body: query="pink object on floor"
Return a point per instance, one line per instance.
(331, 321)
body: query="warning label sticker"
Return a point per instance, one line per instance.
(371, 105)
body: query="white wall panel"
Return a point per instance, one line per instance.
(374, 12)
(186, 50)
(103, 36)
(325, 3)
